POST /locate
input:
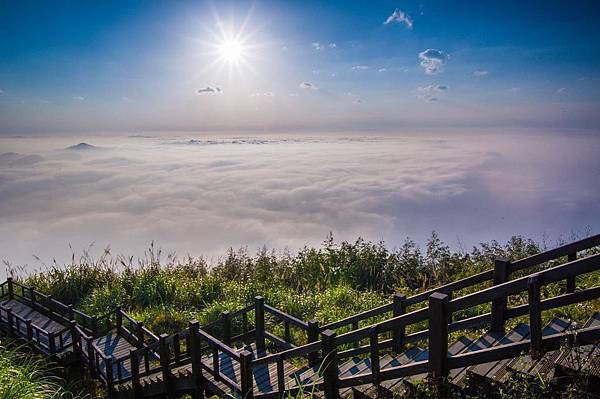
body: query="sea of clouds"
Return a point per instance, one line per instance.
(199, 195)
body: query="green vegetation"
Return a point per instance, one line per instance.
(24, 375)
(327, 283)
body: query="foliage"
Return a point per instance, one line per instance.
(24, 376)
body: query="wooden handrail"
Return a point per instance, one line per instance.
(554, 274)
(286, 317)
(564, 250)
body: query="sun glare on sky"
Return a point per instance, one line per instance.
(231, 51)
(231, 45)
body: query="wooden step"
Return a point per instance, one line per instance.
(525, 364)
(408, 384)
(384, 388)
(574, 361)
(482, 373)
(383, 362)
(485, 341)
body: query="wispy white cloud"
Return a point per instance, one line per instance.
(78, 98)
(431, 92)
(360, 67)
(400, 17)
(433, 60)
(209, 90)
(263, 94)
(308, 86)
(382, 70)
(561, 90)
(480, 72)
(320, 46)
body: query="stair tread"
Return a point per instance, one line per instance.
(525, 364)
(483, 342)
(406, 357)
(519, 333)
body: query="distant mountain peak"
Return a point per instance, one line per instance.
(82, 146)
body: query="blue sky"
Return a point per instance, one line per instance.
(123, 66)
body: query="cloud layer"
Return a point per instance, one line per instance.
(200, 195)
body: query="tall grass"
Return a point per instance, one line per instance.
(25, 376)
(325, 283)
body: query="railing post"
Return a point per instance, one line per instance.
(330, 365)
(226, 323)
(438, 338)
(32, 294)
(51, 342)
(29, 330)
(571, 280)
(196, 354)
(374, 348)
(140, 334)
(94, 326)
(119, 319)
(91, 358)
(109, 377)
(9, 319)
(313, 336)
(246, 374)
(398, 334)
(135, 373)
(71, 312)
(501, 272)
(11, 292)
(259, 322)
(535, 315)
(74, 338)
(164, 365)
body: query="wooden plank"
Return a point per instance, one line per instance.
(525, 363)
(483, 342)
(519, 333)
(408, 356)
(39, 320)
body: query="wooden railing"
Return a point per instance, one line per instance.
(49, 342)
(393, 329)
(499, 274)
(440, 310)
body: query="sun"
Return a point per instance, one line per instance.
(231, 47)
(231, 51)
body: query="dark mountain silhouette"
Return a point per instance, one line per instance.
(82, 147)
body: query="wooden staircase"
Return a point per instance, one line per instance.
(378, 353)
